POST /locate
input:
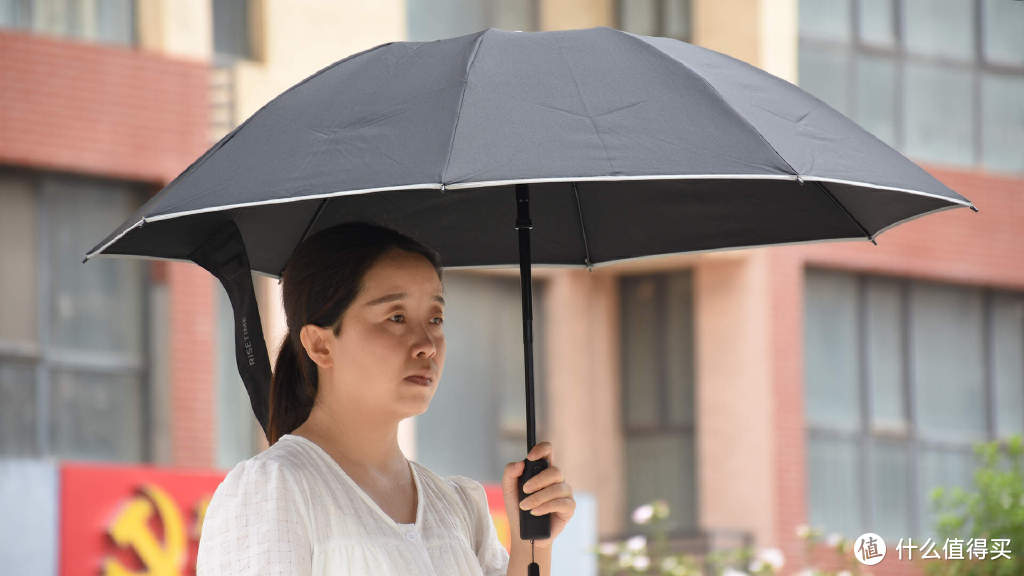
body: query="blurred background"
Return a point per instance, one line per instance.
(755, 391)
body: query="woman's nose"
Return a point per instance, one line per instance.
(425, 346)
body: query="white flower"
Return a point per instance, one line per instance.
(844, 573)
(731, 572)
(834, 540)
(805, 572)
(625, 560)
(669, 563)
(608, 549)
(756, 565)
(643, 514)
(803, 531)
(772, 556)
(637, 543)
(641, 562)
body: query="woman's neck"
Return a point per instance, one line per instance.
(360, 443)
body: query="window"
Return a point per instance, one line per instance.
(434, 19)
(669, 18)
(902, 377)
(940, 80)
(658, 393)
(480, 406)
(106, 21)
(232, 30)
(73, 356)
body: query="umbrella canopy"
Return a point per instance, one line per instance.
(633, 146)
(625, 146)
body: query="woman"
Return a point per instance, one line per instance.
(334, 494)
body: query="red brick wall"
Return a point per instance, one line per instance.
(958, 246)
(117, 112)
(96, 109)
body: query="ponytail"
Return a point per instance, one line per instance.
(292, 389)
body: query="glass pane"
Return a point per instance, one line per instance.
(876, 96)
(231, 28)
(876, 22)
(885, 353)
(639, 16)
(1003, 32)
(17, 408)
(679, 342)
(1002, 117)
(96, 416)
(825, 74)
(1008, 347)
(948, 361)
(115, 21)
(51, 17)
(940, 28)
(941, 467)
(15, 13)
(18, 260)
(939, 129)
(433, 19)
(834, 500)
(99, 305)
(890, 490)
(512, 15)
(677, 19)
(640, 351)
(662, 467)
(830, 350)
(825, 19)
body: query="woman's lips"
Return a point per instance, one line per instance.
(418, 380)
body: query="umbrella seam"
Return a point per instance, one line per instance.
(846, 211)
(718, 94)
(462, 98)
(583, 229)
(230, 135)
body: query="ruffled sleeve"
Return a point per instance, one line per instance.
(489, 550)
(255, 524)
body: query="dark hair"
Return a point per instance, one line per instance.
(321, 279)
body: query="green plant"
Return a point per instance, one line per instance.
(994, 509)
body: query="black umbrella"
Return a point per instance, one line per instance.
(625, 145)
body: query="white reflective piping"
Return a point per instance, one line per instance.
(916, 216)
(470, 185)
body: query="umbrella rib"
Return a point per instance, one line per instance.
(583, 229)
(845, 210)
(458, 112)
(309, 226)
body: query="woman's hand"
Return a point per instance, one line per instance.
(546, 492)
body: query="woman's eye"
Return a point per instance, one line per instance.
(401, 316)
(439, 320)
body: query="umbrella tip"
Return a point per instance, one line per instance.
(973, 208)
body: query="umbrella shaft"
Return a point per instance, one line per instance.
(523, 225)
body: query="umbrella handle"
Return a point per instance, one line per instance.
(532, 527)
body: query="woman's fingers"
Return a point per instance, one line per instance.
(564, 505)
(548, 494)
(547, 477)
(542, 450)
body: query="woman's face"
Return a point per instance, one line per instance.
(391, 331)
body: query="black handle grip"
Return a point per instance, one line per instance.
(532, 527)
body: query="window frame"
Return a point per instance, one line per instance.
(661, 13)
(911, 438)
(977, 66)
(664, 426)
(47, 357)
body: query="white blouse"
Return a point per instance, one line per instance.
(292, 510)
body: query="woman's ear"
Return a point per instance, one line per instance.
(317, 342)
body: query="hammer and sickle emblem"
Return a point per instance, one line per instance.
(131, 530)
